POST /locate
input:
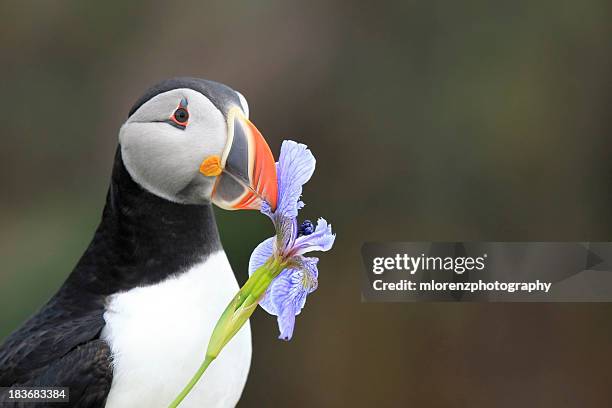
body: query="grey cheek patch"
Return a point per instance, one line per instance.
(196, 189)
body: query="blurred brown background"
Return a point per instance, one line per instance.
(431, 120)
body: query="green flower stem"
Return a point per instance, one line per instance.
(237, 312)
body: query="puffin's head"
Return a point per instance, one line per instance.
(190, 141)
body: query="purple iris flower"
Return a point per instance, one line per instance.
(287, 293)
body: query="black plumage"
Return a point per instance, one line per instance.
(141, 240)
(85, 368)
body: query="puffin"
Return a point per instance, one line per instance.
(130, 325)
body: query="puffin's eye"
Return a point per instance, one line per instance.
(180, 116)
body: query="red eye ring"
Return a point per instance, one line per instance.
(180, 116)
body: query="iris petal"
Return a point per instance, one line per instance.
(321, 239)
(287, 294)
(286, 323)
(261, 254)
(287, 297)
(294, 168)
(308, 265)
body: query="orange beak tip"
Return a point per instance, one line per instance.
(264, 175)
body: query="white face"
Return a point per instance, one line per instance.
(164, 157)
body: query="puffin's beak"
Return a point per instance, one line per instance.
(249, 170)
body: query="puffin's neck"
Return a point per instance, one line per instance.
(142, 238)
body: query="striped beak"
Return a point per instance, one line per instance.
(248, 169)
